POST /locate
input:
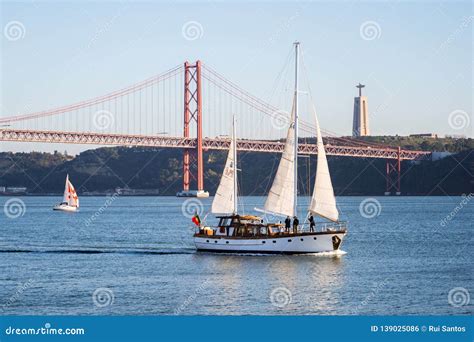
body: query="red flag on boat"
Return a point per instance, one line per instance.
(196, 220)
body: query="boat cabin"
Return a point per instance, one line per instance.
(241, 226)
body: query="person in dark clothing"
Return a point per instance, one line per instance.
(311, 223)
(287, 224)
(296, 222)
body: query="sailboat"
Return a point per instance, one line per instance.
(70, 200)
(248, 233)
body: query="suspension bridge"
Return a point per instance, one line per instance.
(188, 107)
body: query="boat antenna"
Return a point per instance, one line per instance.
(295, 178)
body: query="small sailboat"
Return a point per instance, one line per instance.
(70, 200)
(248, 233)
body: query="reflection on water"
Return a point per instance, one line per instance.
(145, 255)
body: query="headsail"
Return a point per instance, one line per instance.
(225, 201)
(323, 202)
(283, 195)
(70, 195)
(281, 198)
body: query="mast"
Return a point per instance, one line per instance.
(234, 142)
(295, 176)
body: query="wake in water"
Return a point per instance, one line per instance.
(95, 250)
(139, 250)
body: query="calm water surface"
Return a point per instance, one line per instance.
(139, 252)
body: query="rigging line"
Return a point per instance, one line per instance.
(278, 80)
(257, 103)
(263, 106)
(96, 100)
(280, 74)
(231, 92)
(233, 85)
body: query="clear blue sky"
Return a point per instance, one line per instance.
(418, 69)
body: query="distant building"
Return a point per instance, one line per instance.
(456, 136)
(360, 123)
(12, 190)
(425, 135)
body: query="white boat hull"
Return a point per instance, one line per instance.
(286, 244)
(62, 207)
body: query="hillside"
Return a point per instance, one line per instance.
(104, 169)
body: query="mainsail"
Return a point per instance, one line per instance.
(225, 201)
(281, 198)
(323, 202)
(70, 195)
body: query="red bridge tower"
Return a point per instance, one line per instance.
(193, 164)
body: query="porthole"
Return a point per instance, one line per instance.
(289, 240)
(302, 239)
(215, 241)
(274, 241)
(315, 238)
(263, 241)
(227, 242)
(207, 240)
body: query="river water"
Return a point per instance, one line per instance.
(135, 255)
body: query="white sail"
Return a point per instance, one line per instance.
(70, 195)
(225, 201)
(281, 198)
(323, 202)
(66, 190)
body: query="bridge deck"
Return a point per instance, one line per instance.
(208, 143)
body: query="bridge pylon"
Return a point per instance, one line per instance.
(193, 163)
(392, 176)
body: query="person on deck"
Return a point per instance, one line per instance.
(311, 223)
(296, 222)
(287, 224)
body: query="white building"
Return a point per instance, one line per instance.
(360, 123)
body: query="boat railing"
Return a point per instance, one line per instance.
(320, 226)
(342, 225)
